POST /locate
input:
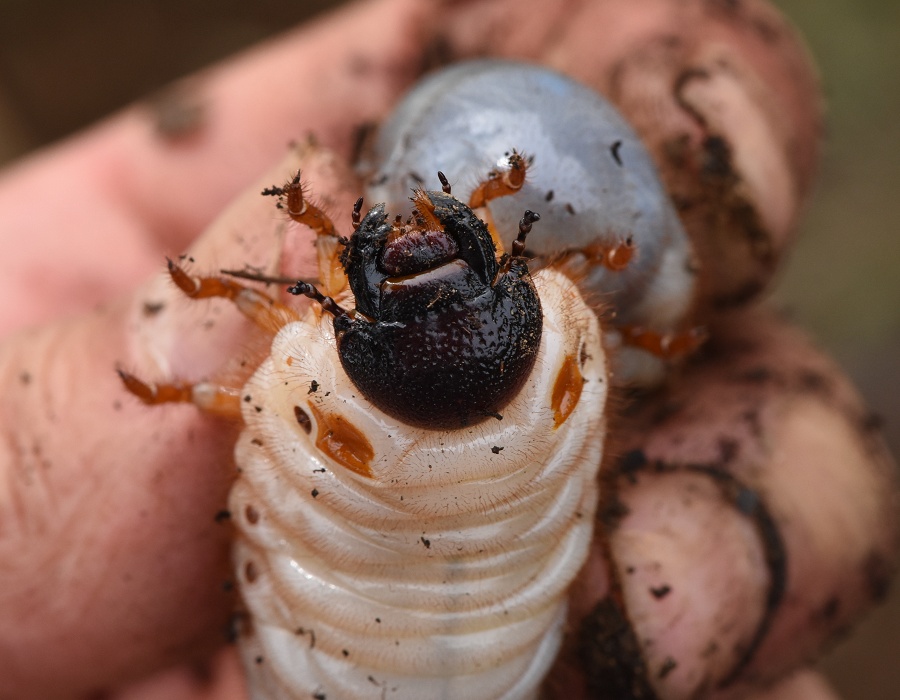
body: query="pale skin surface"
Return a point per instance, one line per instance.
(112, 566)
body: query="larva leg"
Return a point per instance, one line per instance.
(667, 346)
(329, 246)
(263, 310)
(615, 256)
(498, 184)
(207, 396)
(612, 256)
(501, 183)
(293, 200)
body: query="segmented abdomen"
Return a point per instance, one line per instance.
(379, 560)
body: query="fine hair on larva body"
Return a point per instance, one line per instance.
(438, 570)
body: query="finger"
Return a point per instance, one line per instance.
(748, 517)
(97, 212)
(724, 96)
(111, 512)
(85, 512)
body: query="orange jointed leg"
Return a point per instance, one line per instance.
(212, 398)
(498, 184)
(292, 199)
(300, 209)
(501, 183)
(668, 346)
(264, 311)
(260, 308)
(614, 257)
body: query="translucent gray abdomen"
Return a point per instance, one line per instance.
(592, 179)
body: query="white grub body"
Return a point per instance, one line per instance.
(444, 572)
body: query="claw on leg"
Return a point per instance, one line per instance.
(209, 397)
(263, 310)
(292, 199)
(260, 308)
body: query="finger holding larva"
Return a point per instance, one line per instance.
(723, 95)
(273, 632)
(734, 121)
(749, 517)
(171, 336)
(267, 658)
(125, 498)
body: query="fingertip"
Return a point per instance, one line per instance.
(116, 563)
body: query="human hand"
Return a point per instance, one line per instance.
(115, 562)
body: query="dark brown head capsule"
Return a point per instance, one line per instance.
(443, 335)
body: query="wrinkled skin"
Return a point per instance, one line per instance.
(114, 566)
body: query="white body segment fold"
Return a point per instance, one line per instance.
(406, 563)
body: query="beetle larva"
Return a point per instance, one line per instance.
(419, 545)
(376, 555)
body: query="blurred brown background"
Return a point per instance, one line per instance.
(843, 282)
(63, 65)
